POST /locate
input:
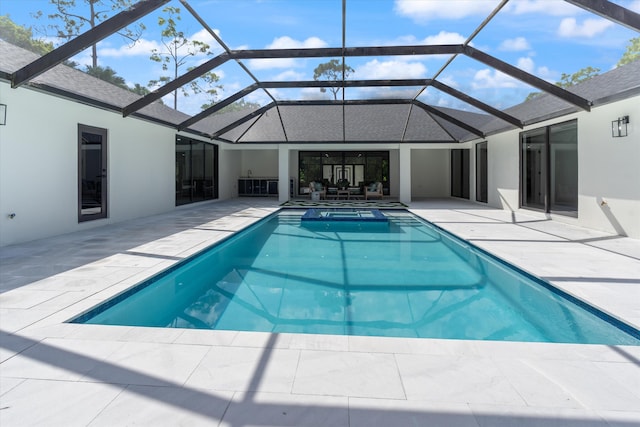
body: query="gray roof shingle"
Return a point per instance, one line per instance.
(318, 123)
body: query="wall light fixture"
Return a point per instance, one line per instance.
(619, 127)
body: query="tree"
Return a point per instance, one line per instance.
(567, 80)
(632, 53)
(72, 20)
(333, 71)
(22, 37)
(107, 74)
(177, 50)
(140, 90)
(236, 106)
(207, 84)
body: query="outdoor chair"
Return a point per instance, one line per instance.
(317, 186)
(373, 190)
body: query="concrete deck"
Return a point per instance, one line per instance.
(59, 374)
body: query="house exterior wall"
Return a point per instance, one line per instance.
(430, 173)
(262, 163)
(39, 166)
(229, 169)
(394, 173)
(608, 169)
(503, 171)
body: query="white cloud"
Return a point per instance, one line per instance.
(544, 73)
(390, 70)
(491, 79)
(205, 37)
(142, 47)
(84, 58)
(554, 8)
(449, 81)
(526, 64)
(517, 44)
(569, 27)
(289, 75)
(259, 97)
(228, 89)
(444, 37)
(286, 42)
(441, 9)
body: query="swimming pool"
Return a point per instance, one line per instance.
(404, 278)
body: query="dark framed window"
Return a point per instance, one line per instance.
(549, 168)
(354, 168)
(460, 173)
(92, 173)
(196, 171)
(482, 187)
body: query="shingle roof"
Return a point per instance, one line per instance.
(324, 123)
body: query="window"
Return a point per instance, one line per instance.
(481, 172)
(92, 173)
(460, 173)
(549, 169)
(358, 168)
(196, 171)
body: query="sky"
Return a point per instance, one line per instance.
(543, 37)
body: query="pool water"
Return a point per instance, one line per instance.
(401, 278)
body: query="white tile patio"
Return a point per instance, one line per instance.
(58, 374)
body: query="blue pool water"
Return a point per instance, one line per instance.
(401, 278)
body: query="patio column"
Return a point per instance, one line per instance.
(405, 174)
(283, 172)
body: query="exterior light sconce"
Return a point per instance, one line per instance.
(3, 114)
(619, 127)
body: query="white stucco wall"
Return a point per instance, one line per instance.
(394, 173)
(39, 166)
(263, 160)
(263, 163)
(608, 169)
(430, 173)
(503, 171)
(229, 169)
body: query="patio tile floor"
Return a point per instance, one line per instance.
(53, 373)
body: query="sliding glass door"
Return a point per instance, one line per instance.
(196, 171)
(549, 169)
(460, 173)
(482, 169)
(563, 174)
(353, 169)
(534, 169)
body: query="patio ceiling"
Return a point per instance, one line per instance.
(390, 119)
